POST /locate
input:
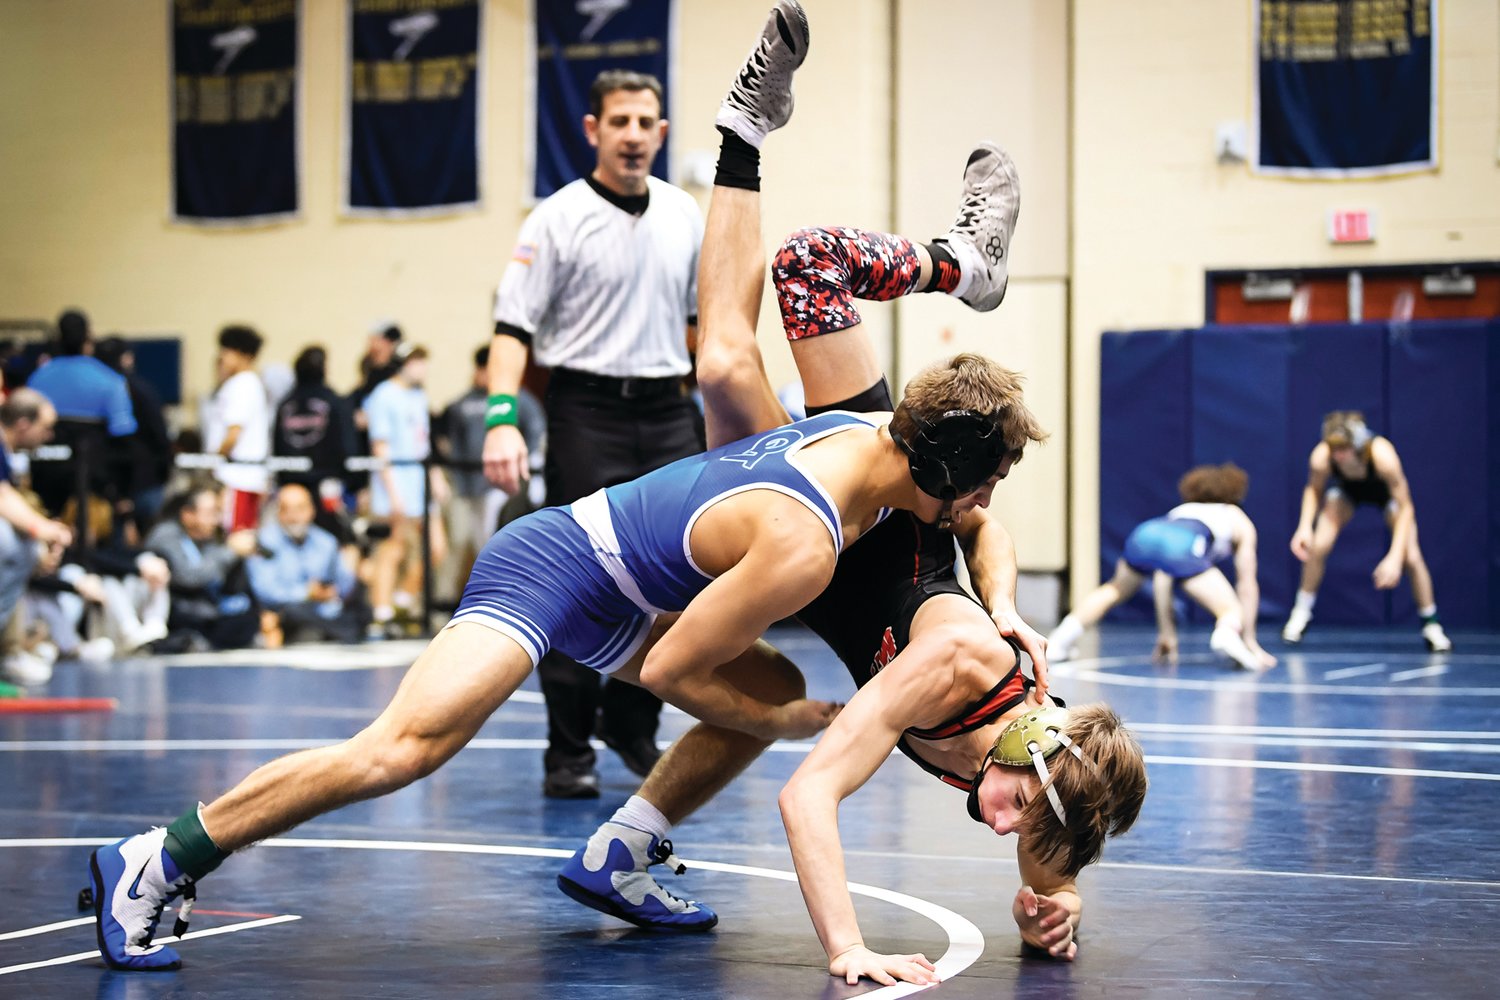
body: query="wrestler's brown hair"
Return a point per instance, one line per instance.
(1227, 483)
(1099, 804)
(969, 382)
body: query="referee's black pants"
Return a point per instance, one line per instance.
(595, 439)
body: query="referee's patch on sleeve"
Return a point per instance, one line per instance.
(523, 253)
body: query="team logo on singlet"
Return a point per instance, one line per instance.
(886, 654)
(773, 443)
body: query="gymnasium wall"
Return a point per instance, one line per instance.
(1153, 209)
(1108, 108)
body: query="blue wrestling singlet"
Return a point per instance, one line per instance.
(1179, 547)
(590, 578)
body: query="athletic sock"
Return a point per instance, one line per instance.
(1304, 602)
(638, 814)
(383, 613)
(945, 269)
(739, 163)
(1428, 614)
(190, 848)
(1068, 632)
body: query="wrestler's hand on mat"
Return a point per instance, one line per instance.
(859, 961)
(505, 457)
(1387, 573)
(1301, 544)
(797, 720)
(1013, 626)
(1165, 650)
(1045, 923)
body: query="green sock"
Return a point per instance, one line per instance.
(191, 847)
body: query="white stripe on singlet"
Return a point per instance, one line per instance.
(592, 515)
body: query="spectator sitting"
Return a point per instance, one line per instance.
(82, 388)
(313, 422)
(210, 588)
(26, 421)
(299, 576)
(237, 426)
(151, 446)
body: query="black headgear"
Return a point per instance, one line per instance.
(953, 455)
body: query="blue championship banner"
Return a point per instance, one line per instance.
(412, 146)
(574, 41)
(1346, 88)
(234, 137)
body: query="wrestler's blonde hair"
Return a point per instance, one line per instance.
(1100, 803)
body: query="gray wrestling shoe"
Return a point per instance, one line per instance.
(980, 236)
(760, 99)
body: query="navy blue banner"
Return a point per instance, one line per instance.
(413, 142)
(1346, 89)
(575, 41)
(234, 141)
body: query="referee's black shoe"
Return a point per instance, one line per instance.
(571, 782)
(640, 753)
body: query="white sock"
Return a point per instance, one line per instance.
(1067, 633)
(969, 264)
(1428, 612)
(403, 600)
(383, 613)
(638, 814)
(1304, 602)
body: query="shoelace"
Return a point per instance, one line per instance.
(749, 80)
(662, 855)
(189, 895)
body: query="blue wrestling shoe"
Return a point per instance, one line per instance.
(133, 880)
(609, 874)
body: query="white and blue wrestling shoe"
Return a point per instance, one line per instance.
(609, 874)
(133, 880)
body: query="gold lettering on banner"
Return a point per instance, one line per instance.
(1325, 30)
(406, 6)
(244, 97)
(594, 50)
(219, 13)
(440, 79)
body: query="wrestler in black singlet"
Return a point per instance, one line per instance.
(1371, 490)
(865, 612)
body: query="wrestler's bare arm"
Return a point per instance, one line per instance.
(1312, 497)
(785, 565)
(990, 554)
(1387, 465)
(1047, 908)
(909, 691)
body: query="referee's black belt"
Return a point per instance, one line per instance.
(617, 388)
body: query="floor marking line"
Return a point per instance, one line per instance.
(1297, 765)
(1368, 668)
(45, 928)
(1272, 873)
(84, 956)
(1249, 685)
(1231, 730)
(965, 940)
(1255, 739)
(1432, 671)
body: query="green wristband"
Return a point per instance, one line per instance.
(500, 411)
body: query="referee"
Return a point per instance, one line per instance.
(602, 285)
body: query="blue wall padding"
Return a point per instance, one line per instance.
(1257, 395)
(1439, 408)
(1489, 470)
(1144, 443)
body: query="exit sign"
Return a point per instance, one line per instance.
(1351, 226)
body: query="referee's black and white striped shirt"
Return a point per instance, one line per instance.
(600, 290)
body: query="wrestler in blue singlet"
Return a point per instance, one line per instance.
(588, 579)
